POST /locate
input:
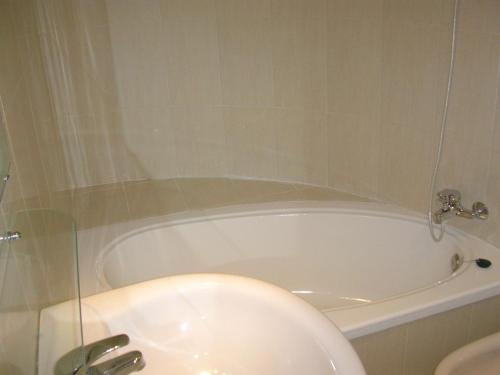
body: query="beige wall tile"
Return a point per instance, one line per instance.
(251, 137)
(25, 148)
(192, 63)
(23, 15)
(417, 347)
(485, 319)
(480, 15)
(302, 146)
(134, 11)
(406, 156)
(353, 153)
(210, 192)
(322, 194)
(200, 142)
(427, 12)
(427, 341)
(299, 53)
(492, 226)
(251, 190)
(355, 9)
(49, 237)
(16, 326)
(307, 9)
(244, 29)
(383, 353)
(472, 114)
(116, 132)
(354, 60)
(239, 8)
(414, 71)
(139, 53)
(188, 8)
(94, 12)
(101, 206)
(153, 198)
(13, 199)
(203, 193)
(30, 56)
(457, 324)
(146, 143)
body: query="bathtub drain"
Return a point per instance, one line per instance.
(456, 262)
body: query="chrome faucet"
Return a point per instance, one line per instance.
(78, 361)
(451, 205)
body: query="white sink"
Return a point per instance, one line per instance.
(208, 324)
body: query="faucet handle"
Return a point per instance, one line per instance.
(480, 210)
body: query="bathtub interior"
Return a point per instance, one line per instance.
(332, 260)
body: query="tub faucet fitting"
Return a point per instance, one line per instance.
(451, 205)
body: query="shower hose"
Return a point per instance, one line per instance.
(432, 228)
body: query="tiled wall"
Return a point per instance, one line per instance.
(417, 348)
(347, 94)
(159, 89)
(339, 93)
(38, 270)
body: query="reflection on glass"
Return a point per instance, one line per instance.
(4, 156)
(39, 270)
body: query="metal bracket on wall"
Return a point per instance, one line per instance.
(10, 236)
(3, 184)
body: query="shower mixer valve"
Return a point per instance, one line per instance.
(451, 205)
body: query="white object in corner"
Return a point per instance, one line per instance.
(479, 357)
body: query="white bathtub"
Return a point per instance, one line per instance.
(366, 266)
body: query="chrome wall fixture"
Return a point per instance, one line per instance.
(10, 236)
(451, 206)
(3, 184)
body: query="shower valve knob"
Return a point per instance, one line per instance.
(480, 210)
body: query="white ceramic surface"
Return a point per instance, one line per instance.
(209, 324)
(366, 266)
(481, 357)
(330, 258)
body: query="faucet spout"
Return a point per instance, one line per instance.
(463, 212)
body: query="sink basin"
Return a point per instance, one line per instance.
(210, 324)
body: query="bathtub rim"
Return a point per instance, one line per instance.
(296, 208)
(358, 320)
